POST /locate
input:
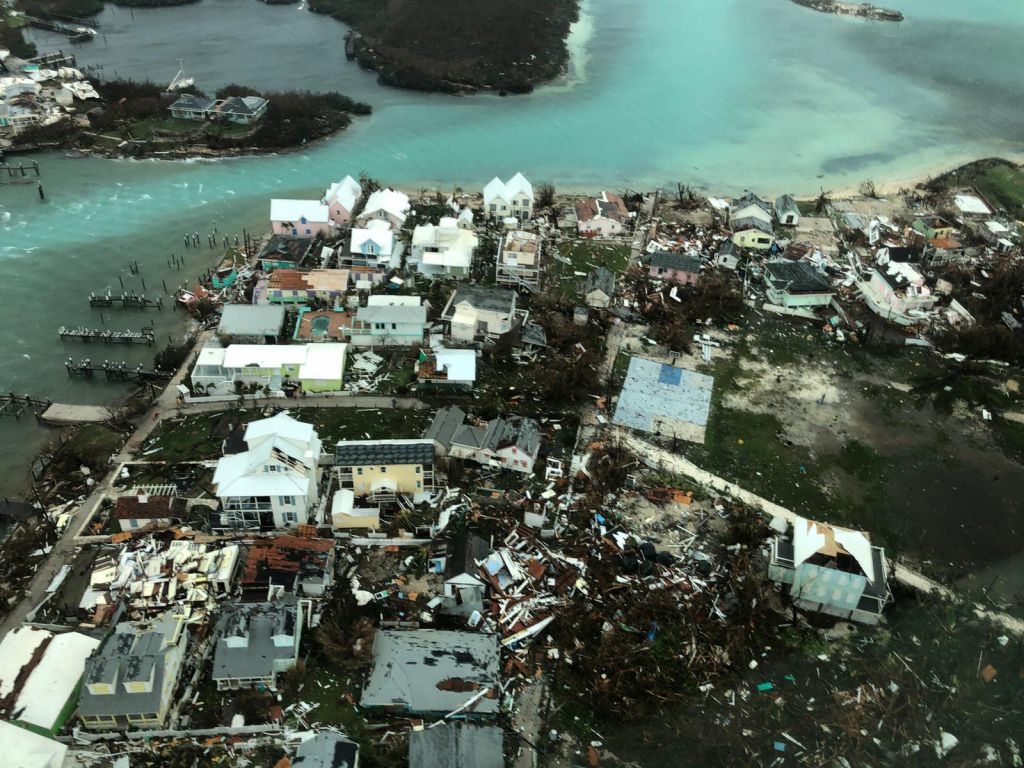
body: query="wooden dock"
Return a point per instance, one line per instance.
(113, 371)
(142, 336)
(125, 300)
(16, 405)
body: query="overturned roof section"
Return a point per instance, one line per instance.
(811, 538)
(434, 671)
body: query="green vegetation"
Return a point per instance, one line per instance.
(583, 256)
(1000, 181)
(457, 45)
(91, 445)
(12, 38)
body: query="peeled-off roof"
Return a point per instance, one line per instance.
(811, 538)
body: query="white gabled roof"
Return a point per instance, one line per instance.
(347, 192)
(460, 364)
(323, 361)
(281, 425)
(235, 477)
(389, 200)
(507, 190)
(312, 211)
(382, 236)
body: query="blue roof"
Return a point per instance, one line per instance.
(658, 397)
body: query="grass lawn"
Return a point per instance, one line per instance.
(584, 256)
(149, 127)
(1003, 185)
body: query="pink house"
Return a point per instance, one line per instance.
(302, 218)
(341, 199)
(678, 268)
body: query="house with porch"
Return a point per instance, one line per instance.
(256, 642)
(442, 250)
(310, 218)
(242, 110)
(129, 683)
(388, 205)
(518, 264)
(831, 570)
(191, 107)
(381, 469)
(276, 367)
(796, 284)
(273, 484)
(673, 267)
(511, 198)
(389, 321)
(341, 199)
(371, 246)
(477, 311)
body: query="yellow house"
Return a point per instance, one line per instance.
(750, 232)
(381, 469)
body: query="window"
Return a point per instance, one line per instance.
(419, 484)
(273, 468)
(359, 470)
(418, 469)
(134, 523)
(493, 207)
(289, 518)
(394, 326)
(383, 470)
(287, 501)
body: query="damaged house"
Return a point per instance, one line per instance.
(464, 589)
(434, 672)
(130, 682)
(479, 312)
(299, 564)
(144, 511)
(511, 443)
(796, 284)
(896, 291)
(382, 469)
(274, 484)
(255, 643)
(831, 570)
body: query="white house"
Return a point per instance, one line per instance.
(315, 367)
(341, 199)
(896, 291)
(300, 217)
(787, 212)
(273, 484)
(601, 216)
(795, 284)
(372, 245)
(475, 310)
(447, 368)
(389, 321)
(750, 205)
(511, 198)
(518, 263)
(387, 205)
(444, 248)
(502, 443)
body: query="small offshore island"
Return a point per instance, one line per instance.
(458, 46)
(861, 10)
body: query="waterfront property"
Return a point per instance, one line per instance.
(130, 682)
(380, 469)
(664, 400)
(752, 232)
(389, 321)
(255, 643)
(243, 110)
(519, 260)
(293, 286)
(787, 212)
(933, 227)
(273, 484)
(300, 217)
(476, 311)
(191, 107)
(673, 267)
(341, 199)
(309, 367)
(442, 249)
(750, 206)
(511, 198)
(433, 672)
(831, 570)
(250, 324)
(896, 292)
(795, 284)
(602, 216)
(301, 565)
(286, 252)
(388, 205)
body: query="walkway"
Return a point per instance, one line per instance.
(662, 458)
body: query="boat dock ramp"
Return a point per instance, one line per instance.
(113, 371)
(125, 300)
(142, 336)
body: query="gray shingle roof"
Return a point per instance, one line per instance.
(484, 297)
(795, 277)
(433, 671)
(457, 745)
(258, 623)
(326, 750)
(751, 222)
(361, 453)
(674, 260)
(600, 279)
(786, 204)
(191, 102)
(445, 424)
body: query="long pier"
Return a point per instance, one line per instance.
(12, 171)
(15, 405)
(113, 371)
(126, 300)
(75, 33)
(142, 336)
